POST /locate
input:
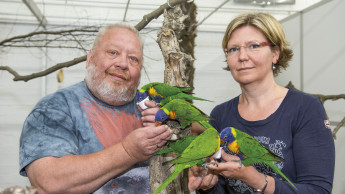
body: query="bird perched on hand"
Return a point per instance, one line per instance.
(249, 150)
(196, 153)
(163, 93)
(182, 111)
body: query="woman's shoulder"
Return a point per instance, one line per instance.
(301, 97)
(303, 101)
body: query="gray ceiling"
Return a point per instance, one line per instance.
(213, 15)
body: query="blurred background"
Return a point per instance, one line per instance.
(315, 29)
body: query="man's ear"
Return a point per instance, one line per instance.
(88, 58)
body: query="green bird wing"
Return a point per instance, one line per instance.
(253, 150)
(178, 146)
(186, 112)
(256, 153)
(205, 124)
(167, 90)
(203, 146)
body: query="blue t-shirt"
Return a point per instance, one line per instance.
(297, 131)
(72, 121)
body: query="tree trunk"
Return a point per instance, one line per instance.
(176, 40)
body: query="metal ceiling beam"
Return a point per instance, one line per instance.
(214, 11)
(36, 11)
(124, 16)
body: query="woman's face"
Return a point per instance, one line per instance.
(249, 57)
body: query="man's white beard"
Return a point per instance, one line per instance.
(107, 92)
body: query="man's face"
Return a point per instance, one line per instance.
(113, 68)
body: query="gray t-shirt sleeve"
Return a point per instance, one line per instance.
(47, 131)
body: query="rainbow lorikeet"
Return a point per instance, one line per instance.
(249, 150)
(163, 93)
(182, 111)
(195, 151)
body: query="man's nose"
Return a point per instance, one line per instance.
(122, 61)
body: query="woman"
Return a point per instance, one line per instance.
(290, 123)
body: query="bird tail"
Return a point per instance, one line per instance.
(185, 89)
(177, 170)
(205, 124)
(190, 97)
(276, 169)
(181, 95)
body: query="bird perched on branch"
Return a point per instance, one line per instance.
(163, 93)
(249, 150)
(193, 151)
(183, 112)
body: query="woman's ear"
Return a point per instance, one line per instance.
(276, 54)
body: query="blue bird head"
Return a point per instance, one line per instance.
(158, 99)
(226, 136)
(141, 95)
(161, 116)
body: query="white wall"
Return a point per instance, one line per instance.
(322, 56)
(322, 73)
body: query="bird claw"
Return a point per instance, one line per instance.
(238, 161)
(207, 164)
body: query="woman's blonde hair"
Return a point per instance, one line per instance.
(270, 27)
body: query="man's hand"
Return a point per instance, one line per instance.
(148, 115)
(143, 142)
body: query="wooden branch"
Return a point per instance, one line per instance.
(175, 60)
(156, 13)
(2, 43)
(175, 74)
(323, 98)
(142, 24)
(56, 67)
(336, 129)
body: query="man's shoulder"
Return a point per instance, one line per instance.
(62, 96)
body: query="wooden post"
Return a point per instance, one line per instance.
(177, 50)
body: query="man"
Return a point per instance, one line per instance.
(89, 137)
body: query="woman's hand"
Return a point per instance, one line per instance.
(201, 178)
(231, 168)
